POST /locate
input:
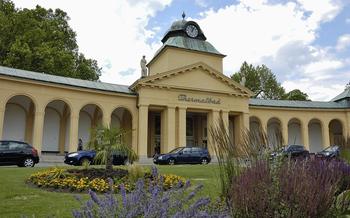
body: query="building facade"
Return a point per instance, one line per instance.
(184, 93)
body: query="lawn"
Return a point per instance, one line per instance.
(18, 199)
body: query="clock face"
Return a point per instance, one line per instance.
(192, 31)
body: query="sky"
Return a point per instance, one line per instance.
(306, 43)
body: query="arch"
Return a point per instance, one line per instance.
(294, 131)
(315, 135)
(336, 135)
(8, 98)
(90, 116)
(121, 118)
(56, 127)
(274, 133)
(254, 124)
(19, 118)
(59, 99)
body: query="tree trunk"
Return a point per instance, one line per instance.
(109, 164)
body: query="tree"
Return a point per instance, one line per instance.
(108, 141)
(296, 95)
(41, 40)
(260, 80)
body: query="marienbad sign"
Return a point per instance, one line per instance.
(207, 100)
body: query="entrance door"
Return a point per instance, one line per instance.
(189, 132)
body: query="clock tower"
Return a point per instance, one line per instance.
(184, 44)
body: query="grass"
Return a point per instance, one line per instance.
(19, 199)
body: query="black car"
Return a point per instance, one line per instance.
(293, 151)
(329, 152)
(184, 155)
(80, 157)
(18, 153)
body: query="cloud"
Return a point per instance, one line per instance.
(343, 42)
(127, 72)
(201, 3)
(347, 20)
(113, 32)
(280, 35)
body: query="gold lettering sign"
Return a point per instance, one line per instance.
(207, 100)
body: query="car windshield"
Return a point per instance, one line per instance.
(175, 150)
(332, 148)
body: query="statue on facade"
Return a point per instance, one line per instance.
(243, 80)
(143, 63)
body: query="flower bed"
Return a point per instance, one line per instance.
(82, 180)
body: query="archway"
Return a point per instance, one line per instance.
(19, 119)
(121, 118)
(294, 132)
(274, 133)
(90, 116)
(336, 132)
(56, 127)
(315, 135)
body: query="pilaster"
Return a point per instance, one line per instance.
(325, 134)
(182, 126)
(305, 134)
(143, 131)
(73, 133)
(169, 129)
(2, 117)
(38, 129)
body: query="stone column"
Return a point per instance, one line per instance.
(38, 129)
(182, 126)
(143, 131)
(225, 118)
(305, 134)
(2, 118)
(169, 130)
(73, 133)
(134, 130)
(325, 135)
(213, 119)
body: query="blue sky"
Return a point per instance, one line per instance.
(306, 43)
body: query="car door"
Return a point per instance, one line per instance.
(4, 147)
(16, 152)
(187, 155)
(196, 154)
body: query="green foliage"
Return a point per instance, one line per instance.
(108, 141)
(41, 40)
(136, 172)
(296, 95)
(260, 80)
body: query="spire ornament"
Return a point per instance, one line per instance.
(183, 15)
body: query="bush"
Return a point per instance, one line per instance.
(153, 201)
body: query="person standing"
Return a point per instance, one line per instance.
(80, 145)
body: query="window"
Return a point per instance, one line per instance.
(196, 150)
(16, 146)
(187, 150)
(4, 146)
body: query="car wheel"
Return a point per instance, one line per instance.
(28, 162)
(171, 161)
(204, 161)
(85, 162)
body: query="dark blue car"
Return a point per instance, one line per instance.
(184, 155)
(79, 158)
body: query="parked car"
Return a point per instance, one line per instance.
(79, 158)
(293, 151)
(329, 152)
(18, 153)
(184, 155)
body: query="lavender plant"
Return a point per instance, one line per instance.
(149, 200)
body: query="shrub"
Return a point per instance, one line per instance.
(153, 201)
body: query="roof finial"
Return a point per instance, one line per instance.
(183, 15)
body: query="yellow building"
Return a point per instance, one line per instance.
(184, 93)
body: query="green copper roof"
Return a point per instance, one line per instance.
(343, 95)
(42, 77)
(190, 44)
(298, 104)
